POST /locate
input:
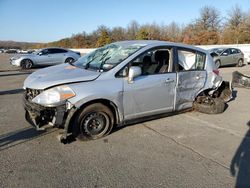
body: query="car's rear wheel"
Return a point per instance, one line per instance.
(69, 60)
(93, 122)
(217, 63)
(26, 64)
(209, 105)
(240, 63)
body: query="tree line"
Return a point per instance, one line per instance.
(209, 28)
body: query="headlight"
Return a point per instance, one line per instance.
(54, 96)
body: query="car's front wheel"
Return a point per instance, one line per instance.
(26, 64)
(93, 122)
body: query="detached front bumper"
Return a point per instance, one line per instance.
(40, 116)
(240, 80)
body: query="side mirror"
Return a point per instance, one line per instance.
(134, 71)
(40, 53)
(225, 54)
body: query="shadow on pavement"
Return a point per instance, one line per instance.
(11, 92)
(15, 74)
(21, 136)
(240, 164)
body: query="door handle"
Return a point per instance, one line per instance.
(199, 77)
(169, 80)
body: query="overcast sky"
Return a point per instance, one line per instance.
(50, 20)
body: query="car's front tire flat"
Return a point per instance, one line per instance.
(93, 122)
(26, 64)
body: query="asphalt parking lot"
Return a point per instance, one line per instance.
(186, 150)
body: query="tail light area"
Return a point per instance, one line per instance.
(217, 72)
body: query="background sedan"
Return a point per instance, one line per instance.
(45, 57)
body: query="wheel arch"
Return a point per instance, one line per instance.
(111, 105)
(26, 59)
(225, 87)
(69, 57)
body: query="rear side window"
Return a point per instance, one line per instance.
(191, 60)
(57, 51)
(234, 51)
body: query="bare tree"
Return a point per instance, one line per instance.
(234, 25)
(132, 30)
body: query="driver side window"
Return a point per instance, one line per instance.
(155, 61)
(226, 52)
(44, 52)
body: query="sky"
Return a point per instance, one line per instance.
(51, 20)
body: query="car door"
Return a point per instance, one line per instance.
(191, 76)
(226, 57)
(43, 57)
(56, 56)
(235, 55)
(152, 92)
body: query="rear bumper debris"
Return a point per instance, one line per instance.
(240, 80)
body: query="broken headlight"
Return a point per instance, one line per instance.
(54, 96)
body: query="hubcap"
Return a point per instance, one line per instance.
(70, 60)
(217, 64)
(28, 64)
(240, 63)
(95, 123)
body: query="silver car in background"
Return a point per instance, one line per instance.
(45, 57)
(227, 56)
(123, 82)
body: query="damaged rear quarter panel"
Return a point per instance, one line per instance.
(189, 85)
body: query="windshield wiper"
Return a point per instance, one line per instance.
(87, 64)
(102, 63)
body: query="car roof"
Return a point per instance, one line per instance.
(55, 48)
(155, 43)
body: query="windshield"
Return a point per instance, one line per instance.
(38, 51)
(107, 57)
(217, 50)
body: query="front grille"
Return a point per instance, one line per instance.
(32, 93)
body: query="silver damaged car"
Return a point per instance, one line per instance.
(45, 57)
(123, 82)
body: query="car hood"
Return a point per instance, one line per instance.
(57, 75)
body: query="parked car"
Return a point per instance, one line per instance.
(123, 82)
(227, 56)
(45, 57)
(10, 51)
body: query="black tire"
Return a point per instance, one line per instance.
(210, 105)
(69, 60)
(217, 63)
(93, 122)
(26, 64)
(240, 63)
